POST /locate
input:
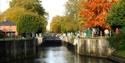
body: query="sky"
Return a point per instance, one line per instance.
(52, 7)
(4, 4)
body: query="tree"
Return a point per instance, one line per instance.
(1, 34)
(1, 18)
(13, 13)
(116, 15)
(72, 9)
(19, 8)
(67, 25)
(31, 5)
(116, 19)
(27, 23)
(56, 24)
(94, 12)
(63, 24)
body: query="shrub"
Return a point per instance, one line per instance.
(118, 41)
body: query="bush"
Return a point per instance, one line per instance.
(118, 41)
(1, 34)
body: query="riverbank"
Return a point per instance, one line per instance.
(118, 56)
(120, 53)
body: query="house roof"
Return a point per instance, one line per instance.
(7, 23)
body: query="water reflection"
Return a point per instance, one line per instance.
(61, 55)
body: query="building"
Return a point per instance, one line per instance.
(9, 28)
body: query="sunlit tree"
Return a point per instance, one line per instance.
(72, 9)
(31, 5)
(56, 24)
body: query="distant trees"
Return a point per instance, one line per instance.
(68, 22)
(1, 17)
(67, 25)
(56, 24)
(62, 24)
(72, 9)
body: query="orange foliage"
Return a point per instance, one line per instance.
(95, 11)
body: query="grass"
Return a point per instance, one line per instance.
(120, 53)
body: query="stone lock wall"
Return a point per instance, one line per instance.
(98, 47)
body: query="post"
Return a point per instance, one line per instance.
(14, 46)
(25, 48)
(34, 46)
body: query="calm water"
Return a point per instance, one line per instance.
(60, 54)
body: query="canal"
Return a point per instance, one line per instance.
(61, 54)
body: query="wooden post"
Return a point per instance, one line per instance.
(5, 49)
(14, 46)
(34, 46)
(25, 48)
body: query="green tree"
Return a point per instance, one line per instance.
(116, 14)
(19, 8)
(63, 24)
(116, 18)
(1, 34)
(27, 23)
(31, 5)
(56, 24)
(67, 25)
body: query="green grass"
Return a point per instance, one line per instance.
(120, 53)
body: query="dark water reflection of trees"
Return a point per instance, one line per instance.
(61, 54)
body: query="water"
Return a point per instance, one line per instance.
(61, 54)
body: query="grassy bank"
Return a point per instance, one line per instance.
(120, 53)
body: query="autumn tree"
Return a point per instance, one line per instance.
(94, 12)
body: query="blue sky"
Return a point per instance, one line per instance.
(53, 7)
